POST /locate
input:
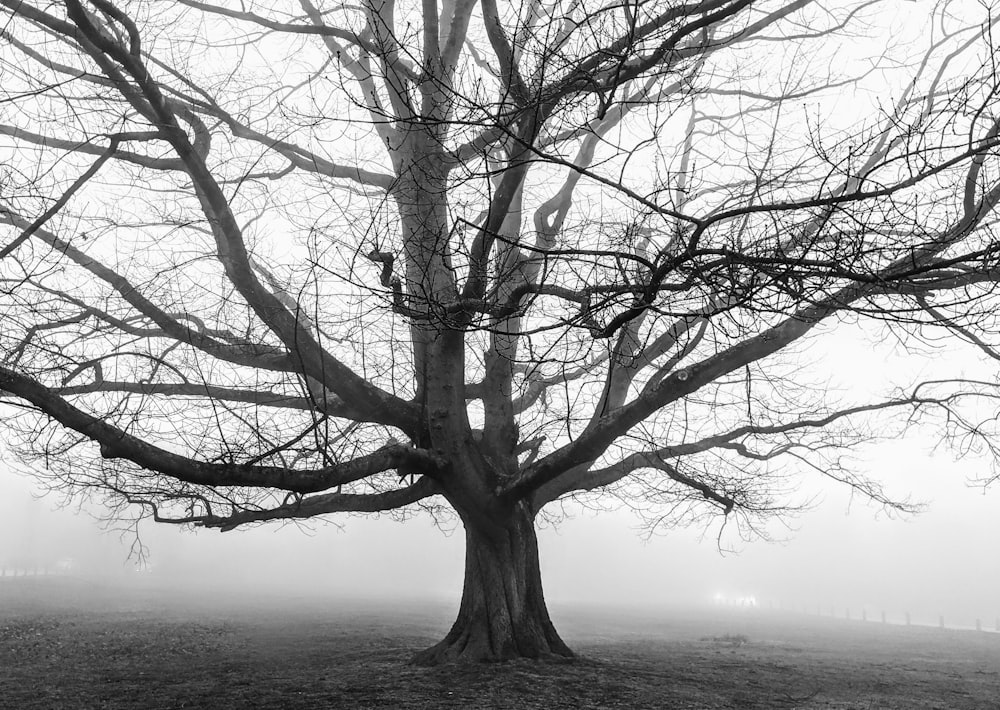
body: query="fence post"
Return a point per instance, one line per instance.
(979, 625)
(883, 617)
(864, 615)
(941, 621)
(907, 618)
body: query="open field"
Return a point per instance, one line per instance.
(68, 643)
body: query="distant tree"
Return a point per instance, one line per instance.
(272, 261)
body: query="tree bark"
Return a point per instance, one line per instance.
(503, 614)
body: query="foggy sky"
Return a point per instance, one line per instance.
(842, 554)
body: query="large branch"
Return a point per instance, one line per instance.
(319, 505)
(197, 390)
(91, 148)
(297, 156)
(118, 444)
(583, 478)
(589, 479)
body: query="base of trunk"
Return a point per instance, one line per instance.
(503, 614)
(475, 644)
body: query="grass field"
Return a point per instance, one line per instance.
(68, 643)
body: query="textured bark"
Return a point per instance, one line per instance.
(503, 614)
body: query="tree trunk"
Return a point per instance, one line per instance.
(503, 614)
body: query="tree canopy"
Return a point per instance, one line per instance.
(272, 261)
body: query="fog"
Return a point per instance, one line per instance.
(841, 556)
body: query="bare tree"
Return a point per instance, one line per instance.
(271, 261)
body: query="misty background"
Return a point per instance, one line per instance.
(842, 553)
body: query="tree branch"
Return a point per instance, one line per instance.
(118, 444)
(312, 506)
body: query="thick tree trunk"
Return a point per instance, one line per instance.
(503, 614)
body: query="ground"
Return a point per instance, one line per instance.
(67, 643)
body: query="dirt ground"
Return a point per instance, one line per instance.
(68, 643)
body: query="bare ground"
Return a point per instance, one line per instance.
(72, 644)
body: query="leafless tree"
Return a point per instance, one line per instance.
(271, 261)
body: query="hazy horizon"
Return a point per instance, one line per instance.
(841, 555)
